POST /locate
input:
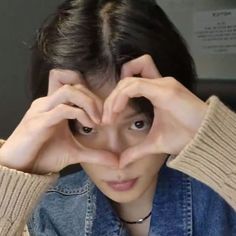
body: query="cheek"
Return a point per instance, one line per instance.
(95, 172)
(135, 137)
(150, 165)
(146, 167)
(90, 169)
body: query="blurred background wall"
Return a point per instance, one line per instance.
(209, 28)
(19, 21)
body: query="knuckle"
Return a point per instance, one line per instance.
(90, 102)
(61, 107)
(80, 112)
(137, 84)
(65, 90)
(174, 90)
(53, 72)
(78, 86)
(66, 87)
(172, 79)
(120, 83)
(147, 57)
(39, 102)
(125, 68)
(128, 81)
(171, 94)
(175, 84)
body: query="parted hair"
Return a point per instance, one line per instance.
(99, 36)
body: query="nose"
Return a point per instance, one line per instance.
(116, 142)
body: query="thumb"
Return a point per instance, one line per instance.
(95, 156)
(136, 152)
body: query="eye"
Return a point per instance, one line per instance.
(83, 130)
(87, 130)
(140, 125)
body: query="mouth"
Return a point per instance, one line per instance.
(121, 186)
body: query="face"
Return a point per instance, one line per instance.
(129, 129)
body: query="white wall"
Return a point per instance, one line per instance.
(210, 64)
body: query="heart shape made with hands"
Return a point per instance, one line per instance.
(179, 112)
(130, 87)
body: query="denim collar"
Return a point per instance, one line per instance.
(106, 222)
(171, 213)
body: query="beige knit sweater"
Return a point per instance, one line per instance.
(210, 157)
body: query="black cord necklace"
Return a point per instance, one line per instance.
(140, 221)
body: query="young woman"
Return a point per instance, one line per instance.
(112, 84)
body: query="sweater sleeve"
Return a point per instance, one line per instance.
(19, 194)
(210, 156)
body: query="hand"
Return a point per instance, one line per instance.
(42, 142)
(178, 113)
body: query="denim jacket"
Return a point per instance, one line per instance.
(182, 206)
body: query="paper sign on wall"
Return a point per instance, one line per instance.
(215, 32)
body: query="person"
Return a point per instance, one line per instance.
(113, 90)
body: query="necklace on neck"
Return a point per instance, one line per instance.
(139, 221)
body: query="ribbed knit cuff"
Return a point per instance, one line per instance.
(210, 156)
(19, 194)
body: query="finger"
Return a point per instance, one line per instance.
(95, 98)
(59, 77)
(74, 96)
(143, 66)
(108, 104)
(137, 88)
(99, 157)
(64, 112)
(136, 152)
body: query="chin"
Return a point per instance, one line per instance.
(122, 197)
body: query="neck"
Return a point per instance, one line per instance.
(138, 208)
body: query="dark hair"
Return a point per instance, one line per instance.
(99, 36)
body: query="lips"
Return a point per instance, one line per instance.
(122, 185)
